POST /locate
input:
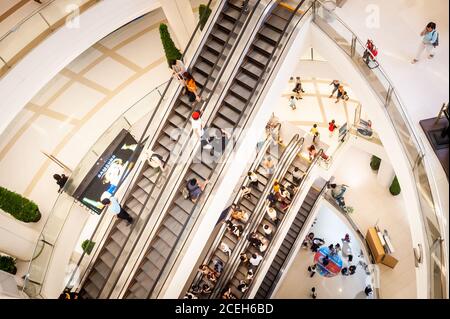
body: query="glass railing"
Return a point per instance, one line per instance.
(141, 120)
(35, 27)
(381, 85)
(133, 121)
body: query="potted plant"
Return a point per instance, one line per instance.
(8, 264)
(19, 207)
(87, 246)
(375, 163)
(395, 187)
(171, 51)
(204, 12)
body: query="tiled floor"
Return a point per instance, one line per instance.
(298, 283)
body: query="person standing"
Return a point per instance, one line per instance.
(314, 130)
(298, 89)
(292, 104)
(336, 84)
(430, 41)
(297, 176)
(196, 123)
(191, 87)
(114, 207)
(253, 178)
(342, 94)
(332, 127)
(313, 293)
(312, 270)
(255, 260)
(61, 180)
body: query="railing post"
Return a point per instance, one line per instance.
(314, 10)
(389, 95)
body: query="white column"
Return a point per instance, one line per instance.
(386, 174)
(181, 19)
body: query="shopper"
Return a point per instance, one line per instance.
(253, 178)
(178, 69)
(313, 293)
(245, 192)
(332, 250)
(196, 123)
(292, 103)
(243, 257)
(346, 238)
(298, 90)
(337, 247)
(332, 127)
(336, 84)
(255, 260)
(352, 269)
(254, 240)
(191, 88)
(312, 151)
(342, 94)
(272, 198)
(250, 274)
(195, 189)
(338, 191)
(218, 265)
(325, 260)
(368, 290)
(114, 207)
(297, 176)
(227, 294)
(312, 270)
(225, 249)
(240, 215)
(61, 180)
(314, 130)
(268, 230)
(269, 165)
(430, 41)
(276, 187)
(308, 241)
(344, 271)
(243, 286)
(272, 213)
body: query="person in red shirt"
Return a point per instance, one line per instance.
(332, 127)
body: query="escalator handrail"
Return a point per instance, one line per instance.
(136, 152)
(261, 200)
(291, 252)
(257, 99)
(290, 211)
(185, 144)
(235, 201)
(254, 225)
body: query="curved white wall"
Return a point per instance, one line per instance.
(38, 67)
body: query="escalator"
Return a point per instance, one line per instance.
(233, 110)
(206, 68)
(248, 205)
(238, 271)
(273, 274)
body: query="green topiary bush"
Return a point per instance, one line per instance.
(87, 246)
(375, 163)
(172, 53)
(204, 13)
(395, 187)
(8, 264)
(18, 206)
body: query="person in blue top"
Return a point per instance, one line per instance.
(429, 42)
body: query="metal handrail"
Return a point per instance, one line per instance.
(185, 144)
(28, 17)
(240, 117)
(229, 270)
(261, 200)
(256, 163)
(290, 211)
(137, 151)
(417, 144)
(297, 241)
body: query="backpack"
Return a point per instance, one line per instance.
(185, 193)
(436, 43)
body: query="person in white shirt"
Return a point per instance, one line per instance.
(297, 175)
(253, 178)
(255, 260)
(225, 248)
(272, 213)
(268, 230)
(196, 123)
(114, 207)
